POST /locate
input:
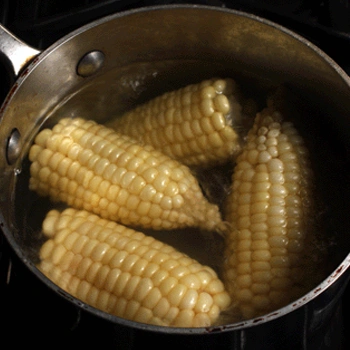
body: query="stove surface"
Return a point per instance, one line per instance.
(28, 305)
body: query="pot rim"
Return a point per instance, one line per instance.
(152, 8)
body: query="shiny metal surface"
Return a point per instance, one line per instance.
(17, 52)
(14, 146)
(90, 63)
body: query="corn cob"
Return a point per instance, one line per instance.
(270, 211)
(128, 274)
(89, 166)
(196, 125)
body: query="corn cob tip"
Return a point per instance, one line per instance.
(207, 215)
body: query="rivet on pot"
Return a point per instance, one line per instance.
(90, 63)
(13, 148)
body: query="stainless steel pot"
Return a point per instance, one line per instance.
(113, 63)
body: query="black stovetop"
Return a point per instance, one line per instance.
(33, 313)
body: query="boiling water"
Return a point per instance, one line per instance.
(109, 95)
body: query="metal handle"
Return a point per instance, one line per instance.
(16, 51)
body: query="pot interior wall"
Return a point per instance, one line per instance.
(147, 53)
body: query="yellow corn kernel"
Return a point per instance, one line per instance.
(196, 125)
(128, 274)
(262, 250)
(115, 177)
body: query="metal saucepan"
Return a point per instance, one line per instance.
(108, 66)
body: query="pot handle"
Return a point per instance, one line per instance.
(18, 53)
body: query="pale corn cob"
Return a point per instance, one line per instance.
(196, 125)
(128, 274)
(270, 211)
(89, 166)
